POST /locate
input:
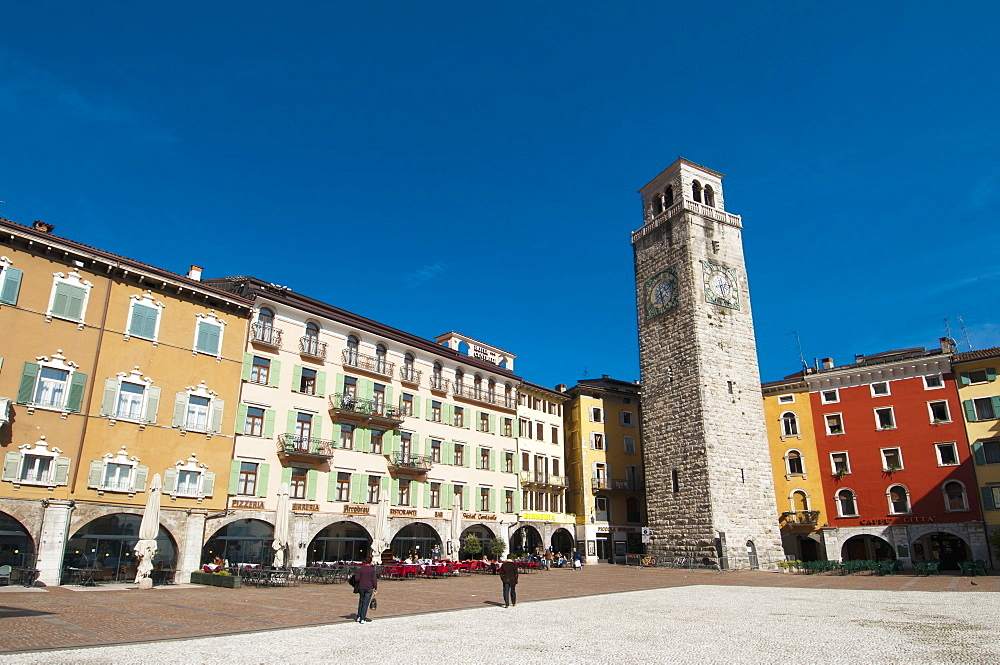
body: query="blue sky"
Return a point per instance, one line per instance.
(470, 166)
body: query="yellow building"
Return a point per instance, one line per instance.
(979, 392)
(795, 464)
(112, 372)
(605, 468)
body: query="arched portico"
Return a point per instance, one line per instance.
(417, 539)
(241, 541)
(107, 543)
(341, 541)
(525, 540)
(17, 547)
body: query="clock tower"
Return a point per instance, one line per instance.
(709, 487)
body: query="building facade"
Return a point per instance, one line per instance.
(711, 491)
(113, 372)
(605, 465)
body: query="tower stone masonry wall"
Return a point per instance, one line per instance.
(702, 408)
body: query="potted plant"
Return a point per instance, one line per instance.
(472, 546)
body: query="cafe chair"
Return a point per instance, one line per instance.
(5, 573)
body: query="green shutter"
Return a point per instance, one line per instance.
(312, 480)
(383, 491)
(988, 503)
(274, 374)
(143, 323)
(426, 491)
(493, 424)
(11, 465)
(247, 366)
(296, 378)
(180, 406)
(68, 301)
(141, 474)
(321, 384)
(290, 422)
(286, 476)
(446, 490)
(208, 483)
(493, 460)
(26, 389)
(963, 378)
(970, 410)
(996, 406)
(388, 396)
(517, 501)
(170, 480)
(991, 374)
(269, 423)
(449, 414)
(218, 409)
(60, 476)
(96, 475)
(11, 286)
(362, 439)
(317, 429)
(74, 398)
(152, 403)
(359, 488)
(331, 486)
(367, 389)
(416, 406)
(339, 385)
(110, 397)
(448, 452)
(493, 500)
(241, 420)
(234, 476)
(262, 472)
(979, 453)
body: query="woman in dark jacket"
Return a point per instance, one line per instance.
(367, 586)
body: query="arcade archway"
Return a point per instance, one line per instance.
(242, 541)
(482, 534)
(106, 544)
(17, 549)
(417, 539)
(342, 541)
(562, 541)
(525, 540)
(946, 548)
(866, 547)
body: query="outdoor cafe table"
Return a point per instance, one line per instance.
(82, 576)
(25, 576)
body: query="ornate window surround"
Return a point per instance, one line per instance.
(73, 278)
(146, 299)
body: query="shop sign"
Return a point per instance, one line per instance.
(482, 517)
(402, 512)
(538, 517)
(250, 505)
(355, 509)
(306, 507)
(901, 520)
(603, 529)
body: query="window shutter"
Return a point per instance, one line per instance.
(963, 378)
(447, 452)
(110, 396)
(290, 424)
(446, 495)
(317, 429)
(170, 481)
(262, 472)
(493, 500)
(296, 378)
(201, 341)
(26, 389)
(61, 474)
(208, 483)
(388, 395)
(74, 398)
(429, 411)
(987, 492)
(75, 296)
(218, 408)
(152, 403)
(143, 323)
(416, 406)
(493, 460)
(449, 414)
(321, 384)
(362, 439)
(234, 476)
(286, 476)
(415, 444)
(59, 301)
(970, 410)
(241, 421)
(331, 486)
(384, 488)
(339, 385)
(274, 374)
(141, 473)
(269, 423)
(493, 424)
(96, 474)
(11, 465)
(996, 406)
(979, 453)
(426, 491)
(180, 406)
(312, 480)
(247, 366)
(359, 487)
(11, 286)
(517, 501)
(208, 337)
(991, 374)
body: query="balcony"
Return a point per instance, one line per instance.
(312, 347)
(801, 517)
(372, 364)
(439, 383)
(471, 392)
(304, 448)
(620, 485)
(540, 479)
(366, 410)
(409, 375)
(407, 463)
(265, 335)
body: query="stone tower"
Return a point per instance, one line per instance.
(709, 487)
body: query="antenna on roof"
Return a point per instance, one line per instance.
(586, 373)
(965, 333)
(798, 342)
(947, 329)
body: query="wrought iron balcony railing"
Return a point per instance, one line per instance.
(439, 383)
(618, 484)
(294, 445)
(262, 333)
(310, 346)
(366, 407)
(408, 462)
(409, 375)
(485, 396)
(541, 478)
(801, 516)
(368, 363)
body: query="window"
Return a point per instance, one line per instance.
(799, 500)
(189, 479)
(407, 404)
(350, 391)
(601, 513)
(892, 459)
(10, 282)
(597, 441)
(947, 454)
(435, 498)
(127, 400)
(696, 191)
(459, 416)
(884, 418)
(523, 427)
(457, 496)
(459, 455)
(144, 316)
(840, 463)
(709, 199)
(196, 414)
(374, 483)
(303, 431)
(982, 408)
(307, 382)
(347, 437)
(939, 412)
(484, 499)
(69, 296)
(377, 442)
(880, 389)
(409, 374)
(789, 424)
(629, 445)
(459, 381)
(596, 414)
(36, 465)
(955, 498)
(405, 445)
(627, 419)
(484, 459)
(846, 504)
(555, 467)
(351, 352)
(484, 421)
(378, 399)
(525, 461)
(51, 387)
(508, 427)
(932, 381)
(899, 500)
(830, 396)
(508, 501)
(403, 494)
(436, 412)
(208, 334)
(675, 485)
(260, 370)
(793, 463)
(632, 509)
(254, 425)
(187, 483)
(36, 469)
(834, 423)
(437, 382)
(508, 462)
(786, 399)
(984, 375)
(555, 434)
(246, 483)
(297, 487)
(343, 486)
(540, 431)
(987, 452)
(311, 343)
(198, 409)
(435, 451)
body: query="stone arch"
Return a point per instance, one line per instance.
(214, 526)
(421, 539)
(524, 539)
(562, 540)
(17, 546)
(106, 543)
(344, 540)
(246, 540)
(867, 546)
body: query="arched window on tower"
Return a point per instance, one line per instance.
(657, 205)
(709, 196)
(800, 500)
(846, 504)
(696, 191)
(668, 196)
(793, 463)
(789, 424)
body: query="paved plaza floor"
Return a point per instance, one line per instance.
(601, 614)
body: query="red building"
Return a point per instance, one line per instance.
(897, 475)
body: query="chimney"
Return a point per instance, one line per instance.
(39, 225)
(195, 273)
(947, 345)
(827, 363)
(561, 388)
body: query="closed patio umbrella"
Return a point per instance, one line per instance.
(456, 529)
(280, 543)
(380, 539)
(149, 529)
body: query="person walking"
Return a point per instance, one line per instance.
(548, 559)
(508, 576)
(577, 560)
(367, 586)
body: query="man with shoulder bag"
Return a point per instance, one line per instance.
(367, 585)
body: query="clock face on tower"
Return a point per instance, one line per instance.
(721, 285)
(660, 293)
